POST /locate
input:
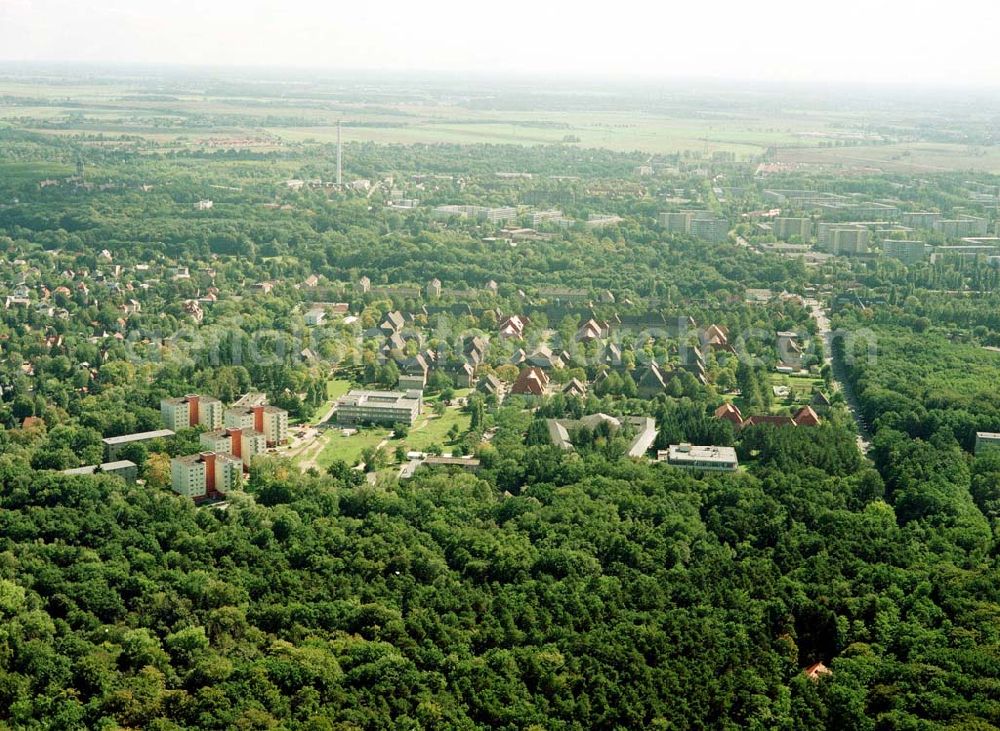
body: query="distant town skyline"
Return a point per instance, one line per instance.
(781, 40)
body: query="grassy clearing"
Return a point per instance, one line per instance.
(432, 429)
(27, 171)
(335, 388)
(339, 447)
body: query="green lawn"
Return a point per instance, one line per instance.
(801, 388)
(431, 429)
(348, 448)
(335, 388)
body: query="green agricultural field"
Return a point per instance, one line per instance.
(28, 171)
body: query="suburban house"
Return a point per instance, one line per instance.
(716, 337)
(490, 385)
(512, 328)
(531, 381)
(593, 330)
(805, 416)
(543, 357)
(731, 413)
(393, 322)
(651, 381)
(789, 350)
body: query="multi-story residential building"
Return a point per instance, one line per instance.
(785, 228)
(675, 221)
(920, 219)
(379, 407)
(851, 211)
(703, 225)
(204, 475)
(271, 421)
(847, 239)
(711, 229)
(962, 226)
(482, 213)
(191, 410)
(553, 216)
(908, 252)
(244, 444)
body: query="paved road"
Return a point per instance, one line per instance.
(840, 381)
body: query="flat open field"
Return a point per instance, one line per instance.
(912, 158)
(197, 112)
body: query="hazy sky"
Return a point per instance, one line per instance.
(843, 40)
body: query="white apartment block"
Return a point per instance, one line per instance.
(271, 421)
(241, 443)
(191, 410)
(208, 474)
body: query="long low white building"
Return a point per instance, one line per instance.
(379, 407)
(690, 456)
(987, 440)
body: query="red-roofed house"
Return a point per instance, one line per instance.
(730, 413)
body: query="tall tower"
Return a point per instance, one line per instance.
(340, 151)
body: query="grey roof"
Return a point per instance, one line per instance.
(138, 437)
(121, 464)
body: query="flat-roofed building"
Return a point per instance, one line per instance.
(712, 228)
(710, 458)
(847, 239)
(191, 410)
(379, 407)
(124, 468)
(786, 228)
(675, 221)
(986, 440)
(908, 252)
(115, 445)
(270, 421)
(963, 225)
(242, 443)
(920, 219)
(207, 474)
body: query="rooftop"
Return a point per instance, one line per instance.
(139, 436)
(122, 464)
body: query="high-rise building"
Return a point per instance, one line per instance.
(191, 410)
(786, 228)
(208, 474)
(244, 444)
(846, 239)
(920, 219)
(962, 226)
(908, 252)
(270, 421)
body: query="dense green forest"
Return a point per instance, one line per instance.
(551, 588)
